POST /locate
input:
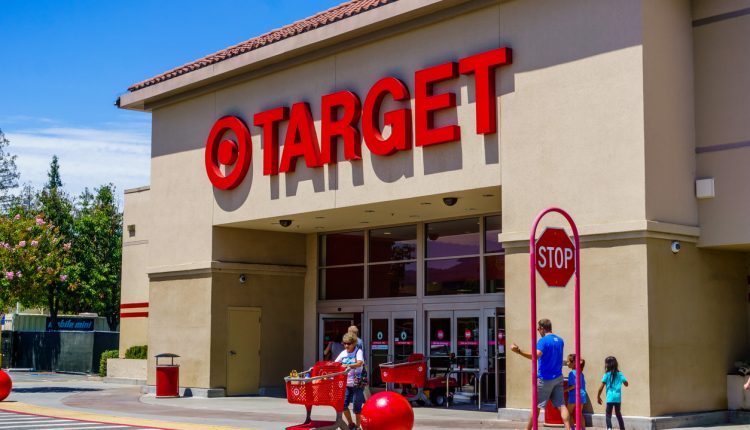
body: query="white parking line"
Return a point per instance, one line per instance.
(10, 420)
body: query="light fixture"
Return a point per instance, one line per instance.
(285, 222)
(450, 201)
(242, 278)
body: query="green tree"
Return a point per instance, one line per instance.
(8, 173)
(57, 207)
(33, 257)
(54, 202)
(98, 253)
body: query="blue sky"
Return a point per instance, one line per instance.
(63, 64)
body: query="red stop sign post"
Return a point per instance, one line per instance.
(556, 259)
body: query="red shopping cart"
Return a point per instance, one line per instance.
(324, 384)
(413, 371)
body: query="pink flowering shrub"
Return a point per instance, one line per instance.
(32, 257)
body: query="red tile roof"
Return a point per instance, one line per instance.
(337, 13)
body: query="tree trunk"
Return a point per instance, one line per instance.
(52, 302)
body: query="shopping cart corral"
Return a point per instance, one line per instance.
(324, 384)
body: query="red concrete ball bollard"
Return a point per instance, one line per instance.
(387, 411)
(5, 385)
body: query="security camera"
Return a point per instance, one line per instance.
(450, 201)
(243, 278)
(285, 222)
(675, 246)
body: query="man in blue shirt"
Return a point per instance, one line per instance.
(550, 385)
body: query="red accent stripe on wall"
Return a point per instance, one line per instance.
(133, 314)
(134, 305)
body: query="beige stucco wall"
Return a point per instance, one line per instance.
(135, 262)
(709, 8)
(180, 310)
(126, 368)
(697, 303)
(181, 195)
(574, 116)
(258, 247)
(310, 301)
(280, 299)
(614, 319)
(668, 112)
(722, 100)
(133, 331)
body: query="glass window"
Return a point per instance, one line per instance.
(494, 273)
(393, 280)
(343, 248)
(459, 239)
(492, 229)
(461, 256)
(452, 276)
(338, 283)
(393, 257)
(440, 343)
(467, 353)
(494, 265)
(453, 238)
(393, 243)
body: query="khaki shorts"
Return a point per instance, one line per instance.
(550, 389)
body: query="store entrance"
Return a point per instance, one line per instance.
(390, 337)
(456, 332)
(332, 329)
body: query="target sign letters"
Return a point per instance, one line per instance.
(350, 119)
(555, 257)
(235, 155)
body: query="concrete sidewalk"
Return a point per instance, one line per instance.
(85, 397)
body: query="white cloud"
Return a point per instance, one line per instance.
(88, 157)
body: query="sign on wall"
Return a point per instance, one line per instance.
(72, 324)
(349, 119)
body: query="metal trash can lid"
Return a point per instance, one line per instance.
(167, 355)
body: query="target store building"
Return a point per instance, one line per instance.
(381, 164)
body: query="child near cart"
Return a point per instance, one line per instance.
(571, 363)
(613, 380)
(353, 358)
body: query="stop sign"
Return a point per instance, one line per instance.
(555, 257)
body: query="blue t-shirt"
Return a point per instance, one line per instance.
(549, 365)
(572, 383)
(614, 386)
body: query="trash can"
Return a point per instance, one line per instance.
(552, 416)
(167, 376)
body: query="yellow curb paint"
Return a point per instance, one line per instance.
(109, 419)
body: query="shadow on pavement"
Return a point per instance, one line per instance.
(54, 390)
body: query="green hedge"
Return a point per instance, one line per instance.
(137, 352)
(112, 353)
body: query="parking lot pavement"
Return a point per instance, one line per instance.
(23, 421)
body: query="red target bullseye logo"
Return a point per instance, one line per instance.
(235, 156)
